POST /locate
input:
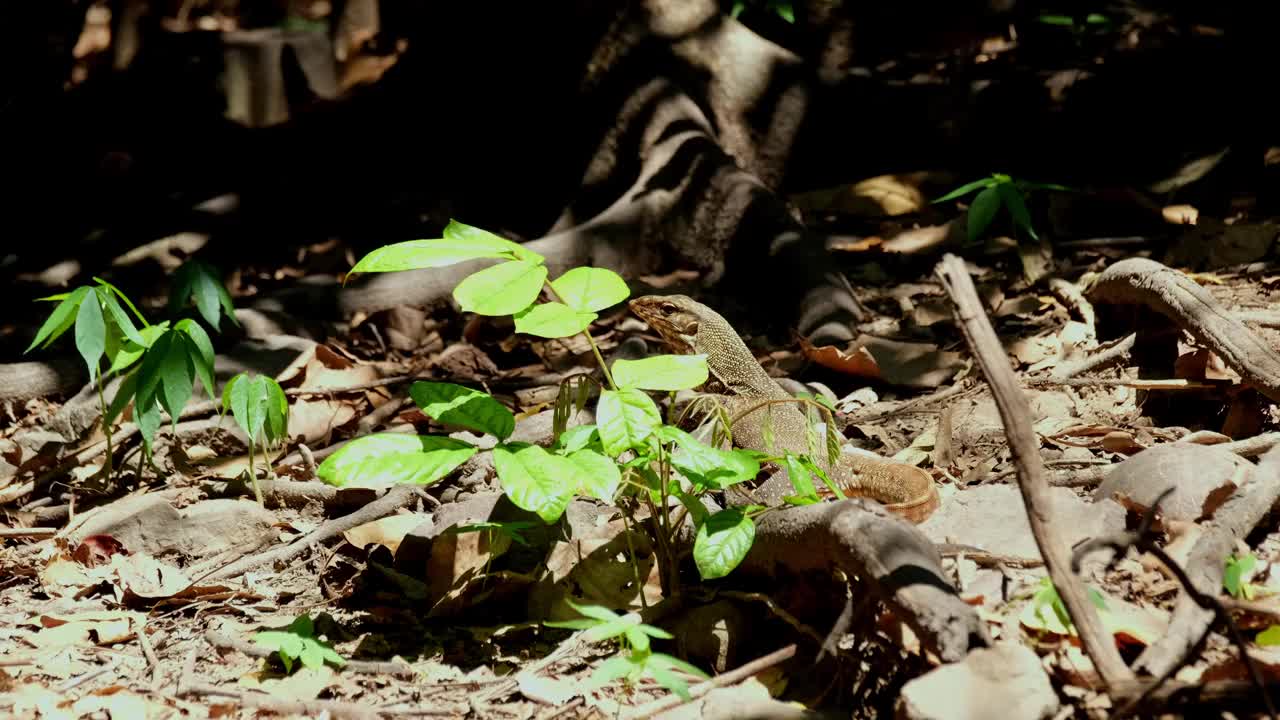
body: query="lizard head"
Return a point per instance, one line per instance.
(674, 317)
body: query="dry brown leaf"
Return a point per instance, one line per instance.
(387, 532)
(918, 240)
(1180, 214)
(877, 196)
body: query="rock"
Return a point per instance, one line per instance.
(1005, 681)
(992, 517)
(149, 524)
(1202, 476)
(712, 635)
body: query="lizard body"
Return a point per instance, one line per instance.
(689, 327)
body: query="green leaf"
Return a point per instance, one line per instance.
(1235, 570)
(577, 438)
(536, 480)
(1017, 208)
(123, 323)
(125, 393)
(474, 236)
(462, 406)
(661, 372)
(147, 418)
(177, 376)
(552, 320)
(625, 419)
(503, 289)
(587, 289)
(298, 641)
(722, 542)
(201, 351)
(277, 427)
(91, 334)
(983, 211)
(614, 668)
(600, 473)
(63, 315)
(460, 243)
(420, 254)
(738, 7)
(129, 352)
(967, 188)
(386, 459)
(1270, 636)
(202, 281)
(783, 10)
(708, 466)
(799, 476)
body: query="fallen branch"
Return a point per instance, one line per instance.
(731, 677)
(1016, 416)
(1234, 519)
(396, 498)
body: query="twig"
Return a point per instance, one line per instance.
(222, 640)
(396, 498)
(1136, 383)
(722, 680)
(1143, 540)
(32, 532)
(947, 393)
(314, 708)
(1015, 413)
(149, 653)
(1083, 365)
(76, 682)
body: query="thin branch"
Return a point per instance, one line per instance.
(1016, 416)
(723, 680)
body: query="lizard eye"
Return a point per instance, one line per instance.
(667, 308)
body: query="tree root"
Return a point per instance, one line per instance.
(1138, 281)
(895, 559)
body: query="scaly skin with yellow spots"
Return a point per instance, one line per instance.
(689, 327)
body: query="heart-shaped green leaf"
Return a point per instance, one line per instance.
(661, 372)
(503, 289)
(552, 320)
(588, 289)
(462, 406)
(386, 459)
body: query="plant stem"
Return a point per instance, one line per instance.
(590, 340)
(253, 475)
(106, 429)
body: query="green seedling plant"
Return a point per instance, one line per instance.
(1078, 23)
(629, 448)
(158, 363)
(630, 455)
(633, 638)
(781, 8)
(299, 642)
(199, 281)
(1046, 601)
(995, 192)
(103, 330)
(1237, 568)
(261, 409)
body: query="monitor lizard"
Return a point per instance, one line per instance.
(689, 327)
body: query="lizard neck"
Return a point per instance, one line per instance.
(732, 363)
